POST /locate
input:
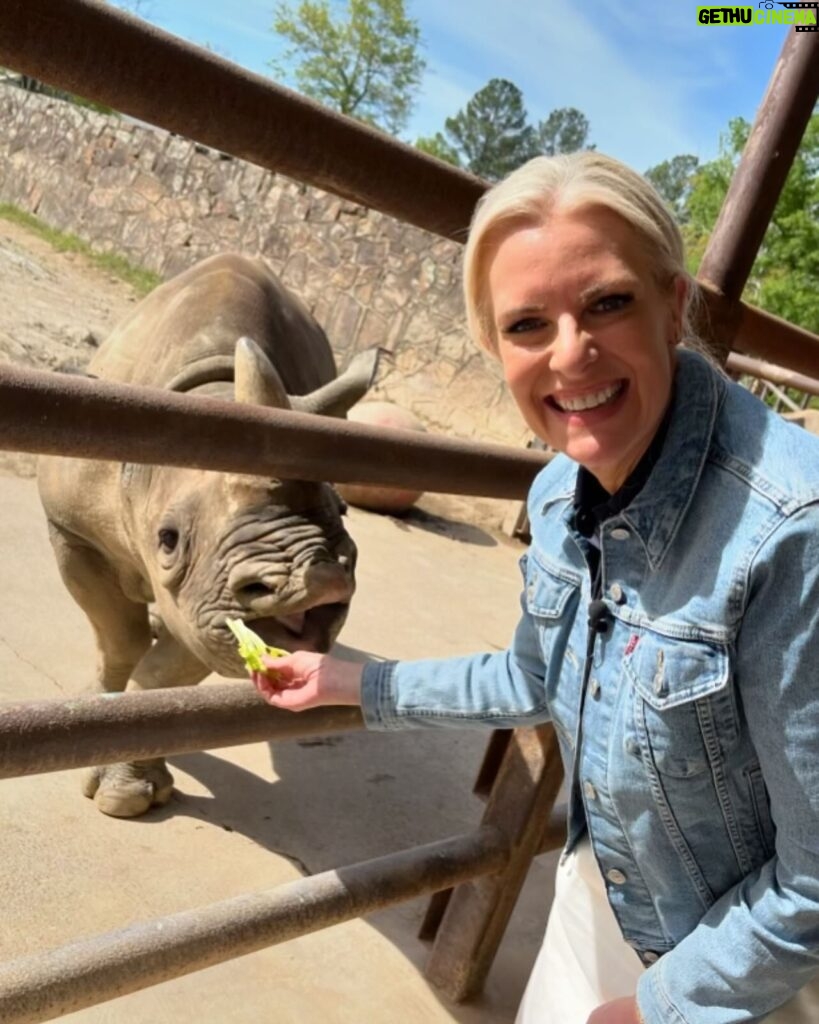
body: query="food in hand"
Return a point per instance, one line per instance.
(251, 646)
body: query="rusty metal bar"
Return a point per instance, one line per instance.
(213, 101)
(40, 988)
(520, 807)
(62, 414)
(53, 735)
(757, 182)
(101, 53)
(768, 337)
(735, 325)
(775, 374)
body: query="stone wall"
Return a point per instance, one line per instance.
(165, 202)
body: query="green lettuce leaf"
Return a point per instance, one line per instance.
(251, 646)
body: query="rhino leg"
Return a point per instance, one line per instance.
(126, 658)
(120, 624)
(130, 789)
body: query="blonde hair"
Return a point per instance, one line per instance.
(548, 183)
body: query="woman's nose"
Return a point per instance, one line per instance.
(572, 348)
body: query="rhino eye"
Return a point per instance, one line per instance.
(168, 539)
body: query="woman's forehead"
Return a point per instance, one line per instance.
(581, 253)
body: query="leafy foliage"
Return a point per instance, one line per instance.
(784, 275)
(673, 179)
(492, 131)
(436, 145)
(366, 65)
(491, 135)
(565, 130)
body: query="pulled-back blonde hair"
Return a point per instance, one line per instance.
(550, 183)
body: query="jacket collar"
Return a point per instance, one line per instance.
(658, 510)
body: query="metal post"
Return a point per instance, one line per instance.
(757, 182)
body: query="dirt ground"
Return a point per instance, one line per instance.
(247, 818)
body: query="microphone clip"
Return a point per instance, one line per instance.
(599, 617)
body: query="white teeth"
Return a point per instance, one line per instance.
(590, 401)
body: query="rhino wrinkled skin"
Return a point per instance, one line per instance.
(199, 546)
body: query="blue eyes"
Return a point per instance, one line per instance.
(527, 324)
(613, 303)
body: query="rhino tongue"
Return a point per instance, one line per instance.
(295, 623)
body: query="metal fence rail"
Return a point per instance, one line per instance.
(773, 374)
(40, 988)
(64, 414)
(101, 53)
(206, 98)
(212, 101)
(54, 735)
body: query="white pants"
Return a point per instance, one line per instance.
(584, 960)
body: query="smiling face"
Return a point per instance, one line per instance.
(586, 336)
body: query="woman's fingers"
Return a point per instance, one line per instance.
(307, 680)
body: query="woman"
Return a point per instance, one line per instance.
(670, 621)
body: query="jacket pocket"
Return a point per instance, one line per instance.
(551, 600)
(684, 710)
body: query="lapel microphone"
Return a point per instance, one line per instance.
(599, 617)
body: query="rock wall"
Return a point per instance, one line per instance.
(165, 202)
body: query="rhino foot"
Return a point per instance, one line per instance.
(128, 790)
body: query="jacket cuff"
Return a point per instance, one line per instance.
(653, 1003)
(377, 695)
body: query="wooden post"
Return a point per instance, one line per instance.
(478, 911)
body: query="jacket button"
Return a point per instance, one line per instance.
(617, 593)
(594, 688)
(615, 876)
(619, 533)
(589, 790)
(650, 957)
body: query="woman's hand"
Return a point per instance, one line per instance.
(618, 1011)
(304, 680)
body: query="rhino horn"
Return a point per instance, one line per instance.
(341, 394)
(256, 381)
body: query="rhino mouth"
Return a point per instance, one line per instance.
(310, 630)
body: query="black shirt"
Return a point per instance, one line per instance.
(593, 504)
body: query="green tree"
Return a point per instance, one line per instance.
(491, 135)
(673, 180)
(437, 145)
(565, 130)
(366, 65)
(784, 275)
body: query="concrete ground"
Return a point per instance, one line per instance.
(252, 817)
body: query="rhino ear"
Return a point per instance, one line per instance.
(256, 380)
(341, 394)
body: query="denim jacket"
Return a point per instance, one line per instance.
(693, 750)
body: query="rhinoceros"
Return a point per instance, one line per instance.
(159, 557)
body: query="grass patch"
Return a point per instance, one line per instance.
(141, 280)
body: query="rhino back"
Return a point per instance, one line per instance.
(196, 318)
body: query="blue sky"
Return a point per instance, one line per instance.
(652, 82)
